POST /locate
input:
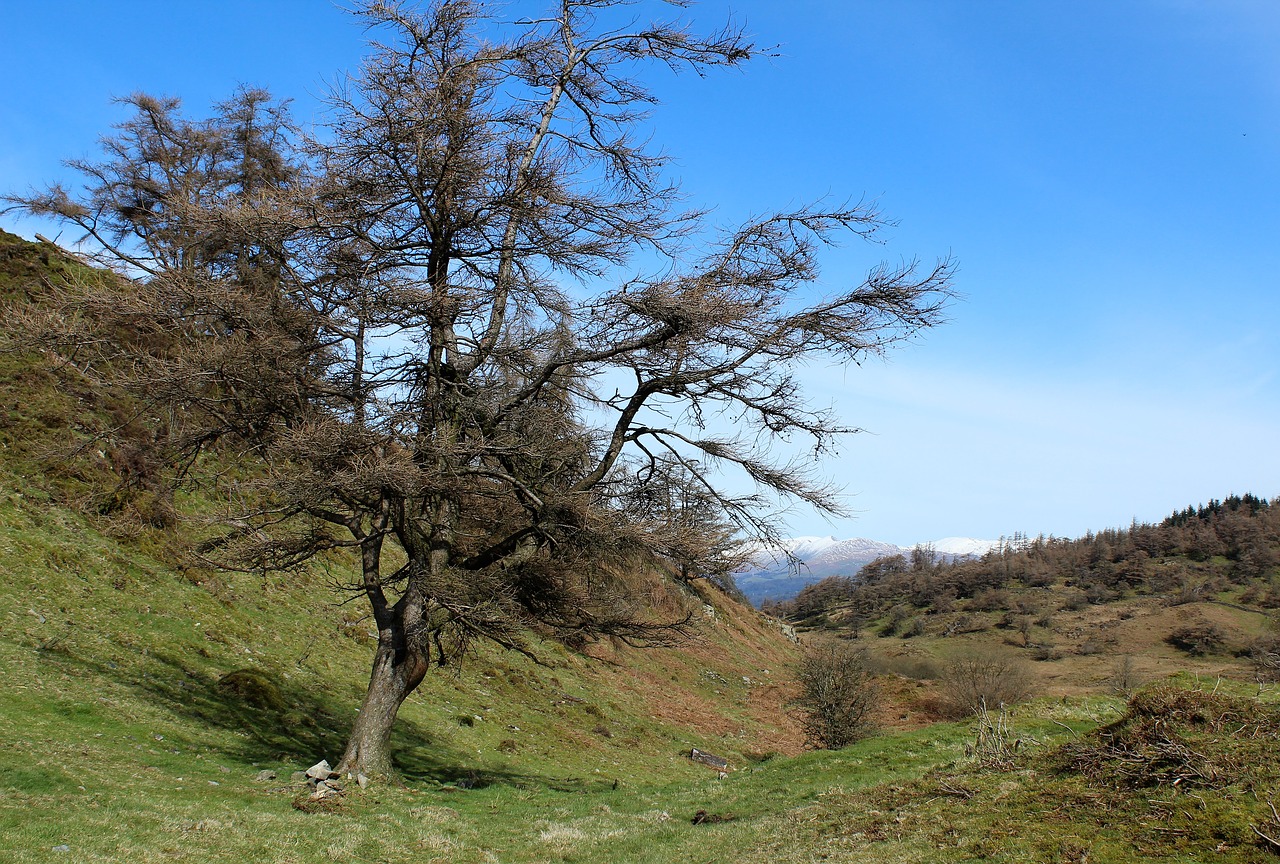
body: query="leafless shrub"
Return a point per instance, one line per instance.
(1187, 591)
(898, 616)
(1097, 594)
(1124, 677)
(983, 680)
(1265, 656)
(1089, 647)
(905, 666)
(989, 600)
(1075, 600)
(915, 627)
(838, 695)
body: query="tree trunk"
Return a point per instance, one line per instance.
(395, 675)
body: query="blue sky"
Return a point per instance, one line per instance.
(1105, 172)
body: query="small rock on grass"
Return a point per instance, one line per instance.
(321, 770)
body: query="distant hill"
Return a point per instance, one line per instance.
(772, 576)
(1198, 591)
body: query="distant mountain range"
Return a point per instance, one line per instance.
(770, 576)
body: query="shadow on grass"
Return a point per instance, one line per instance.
(295, 727)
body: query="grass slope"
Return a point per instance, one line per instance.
(143, 699)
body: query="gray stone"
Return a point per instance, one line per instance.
(321, 771)
(267, 776)
(323, 791)
(709, 759)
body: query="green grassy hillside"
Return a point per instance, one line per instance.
(154, 710)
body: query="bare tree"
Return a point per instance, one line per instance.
(838, 695)
(414, 321)
(973, 683)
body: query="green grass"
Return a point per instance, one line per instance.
(126, 739)
(122, 745)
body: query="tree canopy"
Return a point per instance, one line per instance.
(466, 329)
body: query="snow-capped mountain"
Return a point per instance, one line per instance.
(771, 576)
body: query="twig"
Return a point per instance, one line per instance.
(1073, 732)
(1273, 841)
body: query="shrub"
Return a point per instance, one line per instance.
(911, 666)
(1265, 654)
(1124, 676)
(989, 600)
(1089, 647)
(1187, 591)
(1098, 594)
(898, 615)
(1197, 639)
(838, 696)
(1075, 600)
(983, 680)
(254, 687)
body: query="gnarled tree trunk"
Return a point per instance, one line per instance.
(397, 672)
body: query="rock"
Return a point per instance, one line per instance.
(718, 762)
(321, 771)
(62, 848)
(362, 780)
(325, 791)
(298, 777)
(266, 776)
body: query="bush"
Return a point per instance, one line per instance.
(1075, 600)
(1187, 591)
(1198, 639)
(254, 687)
(913, 666)
(1124, 676)
(1089, 647)
(985, 680)
(898, 616)
(1265, 654)
(989, 600)
(838, 696)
